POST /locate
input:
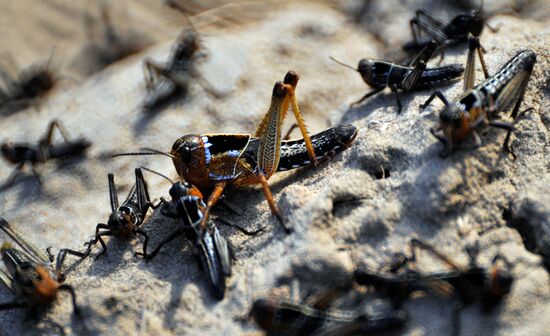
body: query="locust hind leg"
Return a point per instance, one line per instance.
(510, 128)
(469, 72)
(291, 78)
(48, 137)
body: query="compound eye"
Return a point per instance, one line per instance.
(186, 154)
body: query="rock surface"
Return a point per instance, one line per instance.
(360, 208)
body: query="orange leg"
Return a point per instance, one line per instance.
(212, 200)
(270, 201)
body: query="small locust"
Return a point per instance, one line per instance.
(463, 285)
(477, 108)
(187, 206)
(23, 89)
(445, 34)
(282, 317)
(211, 162)
(382, 74)
(163, 82)
(125, 219)
(30, 275)
(22, 153)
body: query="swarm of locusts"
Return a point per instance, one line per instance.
(206, 164)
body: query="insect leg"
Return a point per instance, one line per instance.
(366, 96)
(287, 135)
(437, 94)
(13, 305)
(417, 243)
(419, 64)
(435, 21)
(520, 99)
(98, 238)
(145, 241)
(243, 230)
(165, 241)
(212, 200)
(269, 130)
(70, 289)
(12, 177)
(271, 202)
(151, 72)
(48, 137)
(144, 201)
(62, 254)
(509, 128)
(292, 78)
(113, 195)
(395, 90)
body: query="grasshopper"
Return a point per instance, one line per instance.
(211, 162)
(416, 76)
(463, 285)
(479, 106)
(30, 275)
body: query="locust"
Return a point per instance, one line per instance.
(478, 107)
(416, 76)
(213, 161)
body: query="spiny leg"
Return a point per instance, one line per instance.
(269, 130)
(291, 78)
(366, 96)
(113, 195)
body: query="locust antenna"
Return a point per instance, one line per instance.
(156, 172)
(342, 63)
(149, 151)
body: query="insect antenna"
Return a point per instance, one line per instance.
(156, 172)
(149, 151)
(342, 63)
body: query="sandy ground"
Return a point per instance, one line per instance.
(343, 213)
